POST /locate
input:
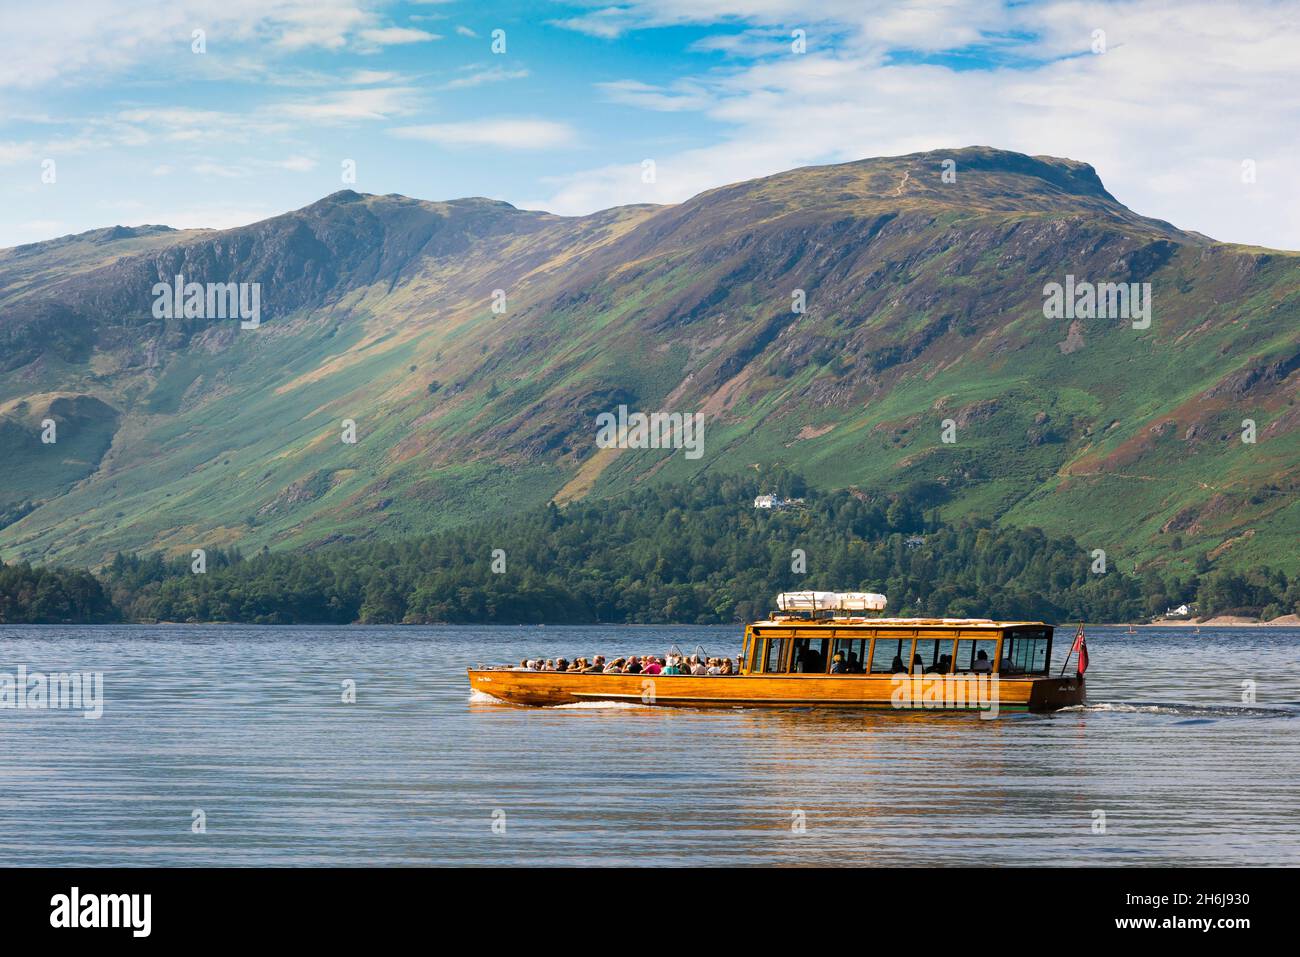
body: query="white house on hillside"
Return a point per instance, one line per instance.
(776, 501)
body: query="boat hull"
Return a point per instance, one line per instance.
(886, 692)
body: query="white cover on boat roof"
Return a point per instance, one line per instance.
(830, 601)
(862, 601)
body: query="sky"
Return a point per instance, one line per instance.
(118, 112)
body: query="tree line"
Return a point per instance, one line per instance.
(697, 553)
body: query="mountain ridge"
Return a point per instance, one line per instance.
(924, 303)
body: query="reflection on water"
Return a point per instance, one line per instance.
(248, 725)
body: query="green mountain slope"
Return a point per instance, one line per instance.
(924, 304)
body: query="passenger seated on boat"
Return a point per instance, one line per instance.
(839, 666)
(652, 666)
(918, 664)
(725, 671)
(615, 666)
(1005, 667)
(982, 665)
(714, 668)
(942, 668)
(896, 666)
(673, 667)
(853, 666)
(809, 662)
(596, 667)
(633, 666)
(561, 664)
(578, 665)
(698, 667)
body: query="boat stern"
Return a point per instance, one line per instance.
(1052, 694)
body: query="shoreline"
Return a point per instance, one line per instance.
(1224, 621)
(1286, 621)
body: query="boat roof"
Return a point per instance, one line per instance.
(785, 622)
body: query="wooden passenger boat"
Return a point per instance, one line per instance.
(827, 659)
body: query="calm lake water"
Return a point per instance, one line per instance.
(248, 725)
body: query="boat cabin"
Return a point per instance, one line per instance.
(789, 644)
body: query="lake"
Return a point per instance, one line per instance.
(244, 729)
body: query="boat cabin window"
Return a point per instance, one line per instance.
(1025, 651)
(968, 655)
(890, 655)
(774, 657)
(932, 656)
(810, 656)
(853, 655)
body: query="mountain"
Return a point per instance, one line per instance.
(924, 306)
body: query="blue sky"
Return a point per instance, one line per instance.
(142, 129)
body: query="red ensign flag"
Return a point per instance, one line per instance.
(1081, 650)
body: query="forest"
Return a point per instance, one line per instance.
(697, 554)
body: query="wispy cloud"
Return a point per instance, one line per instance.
(510, 134)
(59, 39)
(375, 40)
(480, 76)
(682, 96)
(369, 103)
(369, 77)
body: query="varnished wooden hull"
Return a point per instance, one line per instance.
(928, 692)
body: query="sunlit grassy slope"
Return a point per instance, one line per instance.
(924, 304)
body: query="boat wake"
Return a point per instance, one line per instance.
(599, 706)
(482, 697)
(1184, 710)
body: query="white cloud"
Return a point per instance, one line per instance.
(220, 170)
(682, 96)
(12, 153)
(514, 134)
(496, 74)
(297, 164)
(370, 103)
(92, 39)
(369, 77)
(608, 23)
(390, 36)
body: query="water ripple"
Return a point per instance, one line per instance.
(1188, 756)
